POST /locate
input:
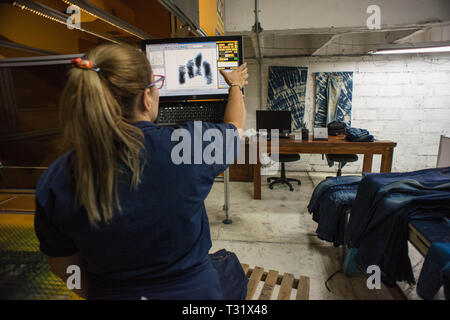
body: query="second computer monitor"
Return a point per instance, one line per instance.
(267, 119)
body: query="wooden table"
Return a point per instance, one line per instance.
(334, 145)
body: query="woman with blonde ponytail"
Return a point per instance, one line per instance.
(116, 205)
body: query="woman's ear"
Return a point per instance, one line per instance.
(147, 100)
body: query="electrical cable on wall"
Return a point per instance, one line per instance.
(257, 29)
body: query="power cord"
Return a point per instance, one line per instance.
(330, 277)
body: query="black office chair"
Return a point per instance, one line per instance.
(342, 159)
(282, 158)
(336, 128)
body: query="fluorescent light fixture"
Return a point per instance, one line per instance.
(428, 48)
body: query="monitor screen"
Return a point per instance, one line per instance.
(267, 120)
(191, 65)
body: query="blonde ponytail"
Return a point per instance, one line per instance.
(96, 113)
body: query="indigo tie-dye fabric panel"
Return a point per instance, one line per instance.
(287, 88)
(333, 98)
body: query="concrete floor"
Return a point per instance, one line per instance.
(278, 233)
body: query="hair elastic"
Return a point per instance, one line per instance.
(85, 64)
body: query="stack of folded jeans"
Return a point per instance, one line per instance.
(329, 202)
(358, 135)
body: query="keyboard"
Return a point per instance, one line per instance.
(174, 113)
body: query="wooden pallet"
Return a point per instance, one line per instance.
(418, 240)
(286, 283)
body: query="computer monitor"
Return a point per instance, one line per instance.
(191, 65)
(268, 119)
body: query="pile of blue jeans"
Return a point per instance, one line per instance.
(436, 267)
(358, 135)
(329, 202)
(384, 205)
(435, 271)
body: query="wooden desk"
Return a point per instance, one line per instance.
(334, 145)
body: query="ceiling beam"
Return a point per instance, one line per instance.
(430, 34)
(326, 44)
(339, 15)
(44, 11)
(21, 47)
(107, 17)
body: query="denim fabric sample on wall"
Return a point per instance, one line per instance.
(335, 84)
(334, 92)
(286, 91)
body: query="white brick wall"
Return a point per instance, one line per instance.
(401, 98)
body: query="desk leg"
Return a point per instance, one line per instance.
(386, 160)
(367, 163)
(257, 180)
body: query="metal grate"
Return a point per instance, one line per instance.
(24, 271)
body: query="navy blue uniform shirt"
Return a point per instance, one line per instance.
(158, 245)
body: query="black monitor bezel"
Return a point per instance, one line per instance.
(197, 39)
(261, 112)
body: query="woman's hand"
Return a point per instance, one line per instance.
(238, 76)
(235, 110)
